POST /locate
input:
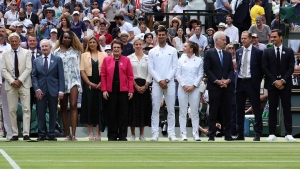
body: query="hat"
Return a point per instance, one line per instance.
(75, 13)
(19, 24)
(254, 35)
(96, 19)
(123, 33)
(53, 30)
(210, 29)
(28, 3)
(141, 17)
(30, 26)
(107, 47)
(49, 9)
(175, 19)
(222, 25)
(193, 20)
(85, 19)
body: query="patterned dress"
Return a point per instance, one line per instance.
(71, 59)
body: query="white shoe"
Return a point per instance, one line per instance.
(196, 137)
(132, 138)
(290, 138)
(173, 138)
(154, 137)
(183, 137)
(142, 138)
(271, 138)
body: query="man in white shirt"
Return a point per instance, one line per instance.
(231, 31)
(162, 66)
(125, 26)
(137, 29)
(102, 40)
(89, 32)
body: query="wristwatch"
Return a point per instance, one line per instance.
(167, 80)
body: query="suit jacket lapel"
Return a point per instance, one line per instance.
(40, 60)
(11, 60)
(218, 57)
(240, 55)
(274, 54)
(38, 53)
(252, 56)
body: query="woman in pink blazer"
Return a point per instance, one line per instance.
(117, 86)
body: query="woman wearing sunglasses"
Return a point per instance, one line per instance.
(12, 15)
(230, 48)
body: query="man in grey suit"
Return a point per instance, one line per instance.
(48, 83)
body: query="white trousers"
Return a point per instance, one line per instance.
(6, 118)
(169, 96)
(184, 98)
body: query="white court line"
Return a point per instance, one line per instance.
(11, 161)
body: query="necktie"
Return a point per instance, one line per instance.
(28, 17)
(221, 58)
(16, 65)
(46, 64)
(32, 56)
(244, 73)
(278, 62)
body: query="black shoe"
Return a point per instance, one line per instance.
(228, 138)
(256, 137)
(239, 137)
(26, 138)
(52, 138)
(14, 138)
(41, 138)
(122, 139)
(211, 139)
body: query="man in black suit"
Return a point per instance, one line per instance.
(219, 70)
(278, 66)
(248, 79)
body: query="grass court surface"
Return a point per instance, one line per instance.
(153, 155)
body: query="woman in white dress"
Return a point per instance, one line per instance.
(69, 49)
(189, 75)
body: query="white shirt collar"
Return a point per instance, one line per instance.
(280, 47)
(249, 47)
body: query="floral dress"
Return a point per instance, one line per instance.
(71, 62)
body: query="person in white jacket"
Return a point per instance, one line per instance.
(189, 75)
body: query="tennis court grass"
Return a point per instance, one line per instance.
(156, 155)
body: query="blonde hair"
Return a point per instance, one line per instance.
(75, 43)
(95, 10)
(231, 44)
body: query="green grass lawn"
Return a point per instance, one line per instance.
(158, 155)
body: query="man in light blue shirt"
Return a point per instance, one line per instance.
(222, 7)
(198, 38)
(48, 23)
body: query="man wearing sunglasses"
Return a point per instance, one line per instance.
(48, 23)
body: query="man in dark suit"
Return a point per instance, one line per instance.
(278, 66)
(219, 70)
(49, 84)
(248, 79)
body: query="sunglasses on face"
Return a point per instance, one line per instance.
(258, 20)
(13, 4)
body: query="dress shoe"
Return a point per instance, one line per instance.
(290, 138)
(256, 137)
(239, 137)
(211, 139)
(271, 138)
(52, 138)
(41, 138)
(26, 138)
(122, 139)
(229, 138)
(14, 138)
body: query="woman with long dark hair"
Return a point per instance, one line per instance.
(179, 40)
(65, 25)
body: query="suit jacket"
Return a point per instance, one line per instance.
(86, 62)
(25, 66)
(241, 17)
(255, 65)
(53, 81)
(125, 73)
(214, 70)
(269, 67)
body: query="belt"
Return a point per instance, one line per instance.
(221, 10)
(244, 79)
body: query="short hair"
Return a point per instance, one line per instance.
(218, 35)
(95, 10)
(33, 35)
(146, 35)
(279, 32)
(200, 26)
(116, 42)
(102, 37)
(229, 15)
(45, 40)
(249, 33)
(256, 1)
(14, 35)
(119, 16)
(161, 28)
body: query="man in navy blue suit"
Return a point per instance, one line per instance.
(218, 68)
(48, 84)
(248, 79)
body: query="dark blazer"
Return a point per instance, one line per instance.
(53, 81)
(241, 18)
(214, 70)
(255, 65)
(286, 67)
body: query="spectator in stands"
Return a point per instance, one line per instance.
(19, 30)
(124, 26)
(102, 42)
(90, 66)
(34, 18)
(222, 27)
(126, 10)
(77, 8)
(96, 24)
(108, 50)
(294, 44)
(231, 31)
(137, 29)
(78, 27)
(264, 4)
(22, 19)
(230, 48)
(257, 10)
(57, 8)
(275, 24)
(72, 5)
(255, 42)
(263, 31)
(93, 5)
(11, 15)
(95, 13)
(179, 40)
(65, 11)
(140, 105)
(111, 8)
(182, 5)
(143, 29)
(53, 38)
(65, 25)
(222, 7)
(174, 24)
(191, 27)
(48, 23)
(199, 38)
(117, 86)
(89, 32)
(127, 47)
(103, 31)
(69, 49)
(36, 8)
(148, 42)
(210, 34)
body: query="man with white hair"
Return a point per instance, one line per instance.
(219, 70)
(102, 41)
(16, 69)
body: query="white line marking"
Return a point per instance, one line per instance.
(11, 161)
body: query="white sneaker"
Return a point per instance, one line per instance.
(196, 137)
(132, 138)
(173, 138)
(154, 137)
(290, 138)
(142, 138)
(183, 137)
(271, 138)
